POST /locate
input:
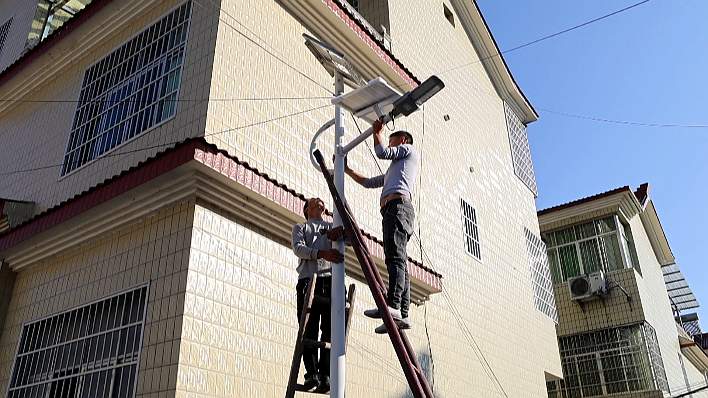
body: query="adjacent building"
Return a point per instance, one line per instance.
(155, 156)
(618, 288)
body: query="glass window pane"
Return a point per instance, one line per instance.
(555, 266)
(568, 257)
(590, 254)
(587, 230)
(611, 255)
(605, 225)
(565, 236)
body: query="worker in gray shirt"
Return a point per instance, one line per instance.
(312, 244)
(398, 216)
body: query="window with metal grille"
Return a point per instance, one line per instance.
(608, 361)
(520, 150)
(589, 247)
(657, 362)
(542, 285)
(129, 91)
(89, 351)
(4, 30)
(471, 230)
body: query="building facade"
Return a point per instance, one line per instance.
(163, 149)
(617, 335)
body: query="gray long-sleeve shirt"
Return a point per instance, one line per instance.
(308, 239)
(402, 172)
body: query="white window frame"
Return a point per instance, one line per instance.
(475, 225)
(84, 369)
(100, 118)
(619, 232)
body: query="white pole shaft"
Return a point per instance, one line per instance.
(338, 364)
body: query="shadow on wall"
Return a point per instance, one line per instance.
(426, 363)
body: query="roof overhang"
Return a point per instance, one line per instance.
(692, 350)
(481, 37)
(193, 169)
(335, 25)
(680, 294)
(656, 234)
(621, 201)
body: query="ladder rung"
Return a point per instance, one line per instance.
(300, 387)
(317, 344)
(325, 300)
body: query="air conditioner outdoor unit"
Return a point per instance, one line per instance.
(587, 287)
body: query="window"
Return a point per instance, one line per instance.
(543, 296)
(448, 15)
(129, 91)
(52, 15)
(659, 373)
(471, 230)
(90, 351)
(589, 247)
(4, 31)
(607, 361)
(520, 150)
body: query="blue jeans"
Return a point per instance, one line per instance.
(398, 216)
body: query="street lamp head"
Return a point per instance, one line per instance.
(411, 100)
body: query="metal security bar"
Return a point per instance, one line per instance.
(89, 351)
(4, 30)
(471, 230)
(540, 276)
(520, 150)
(129, 91)
(608, 361)
(585, 248)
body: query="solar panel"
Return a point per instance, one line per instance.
(361, 101)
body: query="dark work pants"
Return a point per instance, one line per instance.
(320, 319)
(398, 216)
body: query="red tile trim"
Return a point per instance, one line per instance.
(373, 44)
(210, 156)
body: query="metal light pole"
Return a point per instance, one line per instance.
(338, 363)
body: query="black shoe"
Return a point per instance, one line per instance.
(313, 382)
(324, 385)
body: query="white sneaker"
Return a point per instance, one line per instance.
(403, 324)
(374, 313)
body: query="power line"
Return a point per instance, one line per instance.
(108, 155)
(594, 119)
(306, 76)
(454, 311)
(547, 37)
(128, 101)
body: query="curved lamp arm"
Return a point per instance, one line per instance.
(313, 144)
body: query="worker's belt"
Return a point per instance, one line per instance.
(393, 196)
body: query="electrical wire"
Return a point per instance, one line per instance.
(700, 126)
(108, 155)
(454, 311)
(303, 74)
(546, 37)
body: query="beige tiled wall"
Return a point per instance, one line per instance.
(34, 134)
(22, 13)
(155, 250)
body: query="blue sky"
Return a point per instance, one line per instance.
(645, 65)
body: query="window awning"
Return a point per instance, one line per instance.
(680, 293)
